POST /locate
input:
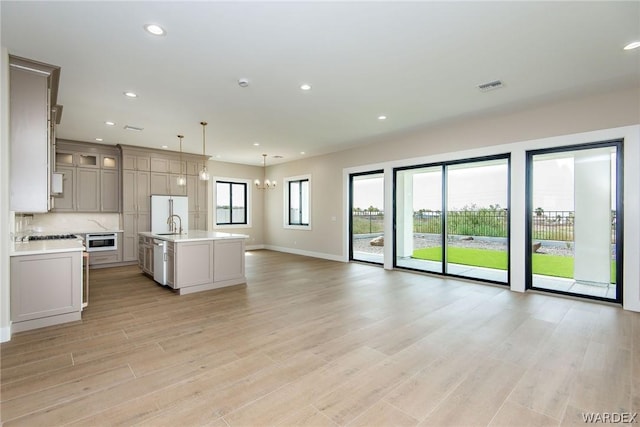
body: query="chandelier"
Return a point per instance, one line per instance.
(266, 184)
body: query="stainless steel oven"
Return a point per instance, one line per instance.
(101, 242)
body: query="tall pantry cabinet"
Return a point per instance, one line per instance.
(136, 209)
(147, 172)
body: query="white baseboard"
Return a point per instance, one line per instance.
(254, 247)
(321, 255)
(5, 334)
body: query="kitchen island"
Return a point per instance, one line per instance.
(194, 261)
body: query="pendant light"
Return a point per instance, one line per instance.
(266, 184)
(204, 173)
(181, 181)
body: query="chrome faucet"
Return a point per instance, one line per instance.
(172, 223)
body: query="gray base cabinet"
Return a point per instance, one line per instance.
(100, 259)
(45, 290)
(193, 263)
(145, 254)
(197, 265)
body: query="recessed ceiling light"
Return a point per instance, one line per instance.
(256, 144)
(99, 139)
(632, 45)
(108, 123)
(303, 153)
(305, 86)
(382, 117)
(131, 94)
(155, 29)
(165, 146)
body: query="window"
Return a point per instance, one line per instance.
(297, 202)
(231, 203)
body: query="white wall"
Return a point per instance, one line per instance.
(5, 215)
(588, 118)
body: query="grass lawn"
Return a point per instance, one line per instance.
(548, 265)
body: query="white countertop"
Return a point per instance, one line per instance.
(195, 235)
(39, 247)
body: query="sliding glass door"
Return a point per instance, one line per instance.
(452, 218)
(418, 219)
(575, 226)
(367, 217)
(477, 220)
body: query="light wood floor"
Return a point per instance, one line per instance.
(321, 343)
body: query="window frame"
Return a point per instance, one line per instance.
(247, 202)
(287, 202)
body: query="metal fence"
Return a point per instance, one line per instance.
(547, 225)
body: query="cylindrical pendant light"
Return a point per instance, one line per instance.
(181, 181)
(204, 173)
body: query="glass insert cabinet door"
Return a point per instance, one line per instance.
(575, 229)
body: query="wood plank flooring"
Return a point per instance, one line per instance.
(310, 342)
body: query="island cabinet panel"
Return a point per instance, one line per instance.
(228, 258)
(45, 289)
(193, 263)
(171, 265)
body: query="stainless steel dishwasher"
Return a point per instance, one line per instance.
(160, 261)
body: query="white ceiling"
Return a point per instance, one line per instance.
(416, 62)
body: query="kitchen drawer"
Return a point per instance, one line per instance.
(107, 257)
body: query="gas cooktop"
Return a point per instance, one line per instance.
(53, 237)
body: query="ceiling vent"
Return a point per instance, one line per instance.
(485, 87)
(133, 128)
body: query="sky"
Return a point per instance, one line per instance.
(483, 186)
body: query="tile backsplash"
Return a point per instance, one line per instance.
(59, 223)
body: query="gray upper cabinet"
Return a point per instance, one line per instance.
(159, 164)
(160, 183)
(88, 190)
(109, 190)
(136, 162)
(33, 89)
(91, 177)
(66, 202)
